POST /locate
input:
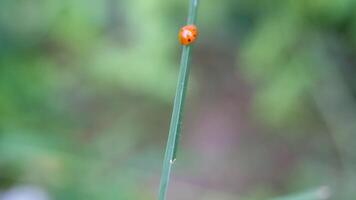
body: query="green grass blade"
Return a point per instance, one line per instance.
(176, 120)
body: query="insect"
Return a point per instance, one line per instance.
(188, 34)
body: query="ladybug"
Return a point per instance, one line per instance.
(188, 34)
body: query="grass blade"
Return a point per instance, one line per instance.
(178, 106)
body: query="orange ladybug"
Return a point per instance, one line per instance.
(188, 34)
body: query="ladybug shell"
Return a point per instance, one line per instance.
(188, 34)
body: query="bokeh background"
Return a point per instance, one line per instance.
(86, 92)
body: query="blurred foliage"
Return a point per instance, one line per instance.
(86, 89)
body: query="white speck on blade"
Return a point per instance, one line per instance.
(172, 161)
(324, 193)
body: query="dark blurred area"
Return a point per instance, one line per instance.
(87, 86)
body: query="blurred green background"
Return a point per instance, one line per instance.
(86, 92)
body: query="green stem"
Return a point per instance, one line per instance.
(176, 120)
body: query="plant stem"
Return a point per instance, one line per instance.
(176, 120)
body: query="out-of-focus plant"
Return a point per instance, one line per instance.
(86, 87)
